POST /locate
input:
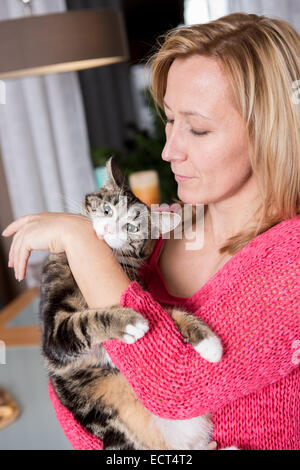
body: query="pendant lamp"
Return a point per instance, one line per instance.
(61, 42)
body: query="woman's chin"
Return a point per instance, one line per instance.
(193, 196)
(188, 197)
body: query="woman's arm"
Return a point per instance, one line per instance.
(99, 275)
(253, 308)
(96, 270)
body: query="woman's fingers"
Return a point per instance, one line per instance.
(14, 253)
(17, 256)
(16, 225)
(44, 232)
(20, 254)
(11, 255)
(10, 263)
(23, 256)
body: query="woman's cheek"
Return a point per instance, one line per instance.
(207, 161)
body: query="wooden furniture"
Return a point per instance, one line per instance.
(25, 335)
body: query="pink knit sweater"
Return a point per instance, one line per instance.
(252, 304)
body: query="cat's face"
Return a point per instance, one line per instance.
(117, 218)
(120, 218)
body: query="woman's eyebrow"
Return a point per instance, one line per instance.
(189, 113)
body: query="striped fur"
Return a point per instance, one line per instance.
(83, 376)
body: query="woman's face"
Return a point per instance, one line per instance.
(206, 138)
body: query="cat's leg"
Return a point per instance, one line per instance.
(198, 334)
(71, 333)
(70, 329)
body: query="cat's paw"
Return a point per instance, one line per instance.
(230, 448)
(131, 325)
(210, 348)
(212, 446)
(124, 324)
(198, 334)
(133, 332)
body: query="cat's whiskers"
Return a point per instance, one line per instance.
(73, 205)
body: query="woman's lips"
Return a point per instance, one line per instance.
(181, 178)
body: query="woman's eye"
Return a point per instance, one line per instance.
(131, 228)
(193, 131)
(107, 209)
(198, 132)
(169, 121)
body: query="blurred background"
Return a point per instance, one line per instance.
(56, 132)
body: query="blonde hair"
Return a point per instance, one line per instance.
(261, 59)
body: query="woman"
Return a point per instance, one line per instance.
(233, 142)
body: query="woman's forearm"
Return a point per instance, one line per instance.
(97, 272)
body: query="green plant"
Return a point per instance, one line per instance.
(143, 152)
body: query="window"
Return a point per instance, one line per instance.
(202, 11)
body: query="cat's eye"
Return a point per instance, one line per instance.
(131, 228)
(107, 209)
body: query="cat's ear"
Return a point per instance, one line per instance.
(115, 174)
(165, 221)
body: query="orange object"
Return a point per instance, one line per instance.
(9, 410)
(145, 186)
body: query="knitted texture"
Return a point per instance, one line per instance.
(75, 433)
(252, 304)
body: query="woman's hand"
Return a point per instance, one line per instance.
(46, 231)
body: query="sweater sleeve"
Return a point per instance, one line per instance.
(252, 304)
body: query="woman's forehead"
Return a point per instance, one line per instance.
(196, 83)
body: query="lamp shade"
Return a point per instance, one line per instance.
(61, 42)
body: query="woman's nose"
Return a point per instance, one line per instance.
(174, 148)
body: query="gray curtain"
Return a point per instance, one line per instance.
(107, 92)
(288, 10)
(43, 137)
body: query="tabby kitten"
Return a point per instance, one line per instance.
(82, 374)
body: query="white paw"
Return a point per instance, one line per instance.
(135, 332)
(210, 349)
(230, 448)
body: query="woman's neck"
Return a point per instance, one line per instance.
(228, 217)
